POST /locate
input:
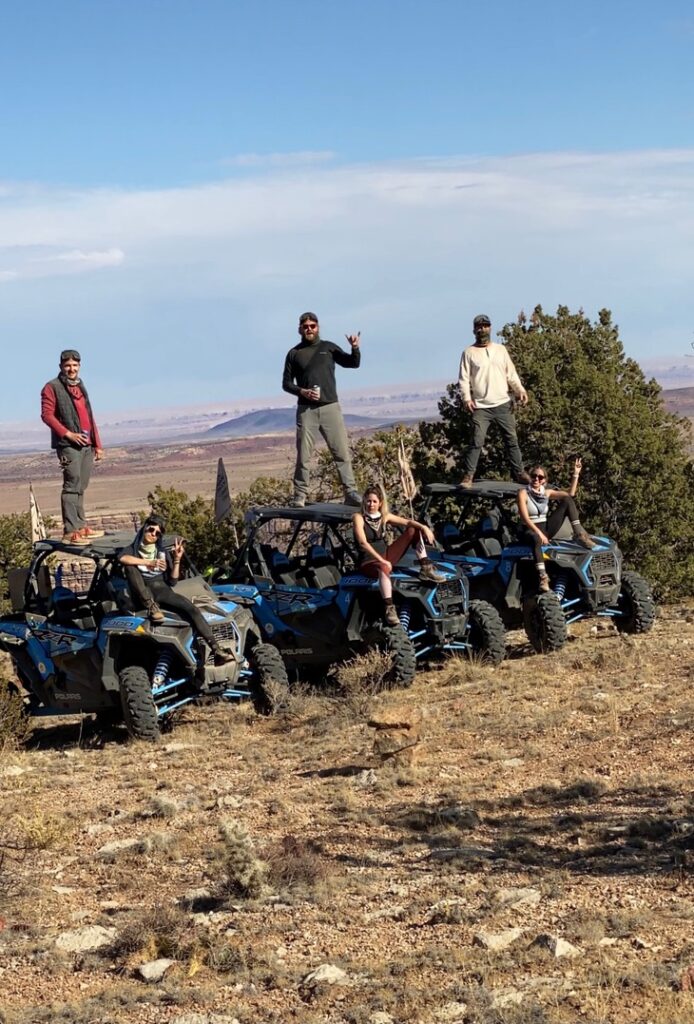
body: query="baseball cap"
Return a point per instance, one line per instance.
(481, 319)
(308, 316)
(70, 353)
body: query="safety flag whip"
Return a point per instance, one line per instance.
(38, 529)
(409, 487)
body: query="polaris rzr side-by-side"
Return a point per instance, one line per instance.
(85, 649)
(478, 526)
(318, 609)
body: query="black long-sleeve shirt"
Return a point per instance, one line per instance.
(312, 364)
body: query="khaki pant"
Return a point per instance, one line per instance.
(325, 420)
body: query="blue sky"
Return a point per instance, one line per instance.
(180, 179)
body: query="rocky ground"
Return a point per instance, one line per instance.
(527, 858)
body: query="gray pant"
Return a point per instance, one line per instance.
(76, 464)
(326, 420)
(481, 421)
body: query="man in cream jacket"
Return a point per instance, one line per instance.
(488, 384)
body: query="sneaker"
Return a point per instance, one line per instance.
(154, 612)
(428, 573)
(353, 499)
(466, 481)
(523, 478)
(391, 615)
(75, 539)
(543, 584)
(584, 539)
(297, 503)
(222, 657)
(90, 534)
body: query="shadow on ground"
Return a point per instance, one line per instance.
(581, 828)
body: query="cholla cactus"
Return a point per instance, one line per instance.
(244, 870)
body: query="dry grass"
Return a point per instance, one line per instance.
(286, 846)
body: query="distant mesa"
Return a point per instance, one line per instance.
(275, 421)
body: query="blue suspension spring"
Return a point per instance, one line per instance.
(161, 670)
(559, 585)
(404, 612)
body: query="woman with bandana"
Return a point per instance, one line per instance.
(152, 573)
(541, 525)
(379, 553)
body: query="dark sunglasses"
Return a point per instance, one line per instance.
(153, 529)
(308, 323)
(537, 476)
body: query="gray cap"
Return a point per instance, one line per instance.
(481, 319)
(308, 316)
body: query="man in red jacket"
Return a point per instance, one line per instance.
(66, 409)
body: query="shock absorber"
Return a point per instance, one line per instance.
(161, 669)
(559, 585)
(404, 611)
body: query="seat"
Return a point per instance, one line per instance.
(321, 568)
(449, 537)
(280, 567)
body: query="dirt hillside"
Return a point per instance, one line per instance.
(533, 864)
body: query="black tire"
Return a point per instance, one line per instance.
(487, 633)
(545, 622)
(139, 709)
(397, 643)
(636, 604)
(269, 681)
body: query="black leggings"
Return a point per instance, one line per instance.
(157, 589)
(565, 509)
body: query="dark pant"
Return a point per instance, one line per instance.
(142, 591)
(482, 419)
(564, 509)
(394, 551)
(76, 464)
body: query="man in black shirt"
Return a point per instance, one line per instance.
(309, 373)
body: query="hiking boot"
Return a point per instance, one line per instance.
(523, 478)
(543, 583)
(583, 538)
(154, 613)
(75, 539)
(222, 657)
(353, 499)
(298, 503)
(90, 534)
(466, 481)
(428, 573)
(391, 615)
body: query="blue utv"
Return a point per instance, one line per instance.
(297, 566)
(83, 648)
(478, 528)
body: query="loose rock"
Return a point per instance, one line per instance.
(497, 940)
(155, 970)
(325, 974)
(558, 947)
(518, 898)
(110, 851)
(82, 940)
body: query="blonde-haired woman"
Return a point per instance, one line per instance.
(377, 556)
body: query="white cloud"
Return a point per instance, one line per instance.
(49, 263)
(406, 251)
(300, 159)
(96, 258)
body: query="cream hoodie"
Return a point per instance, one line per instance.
(487, 375)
